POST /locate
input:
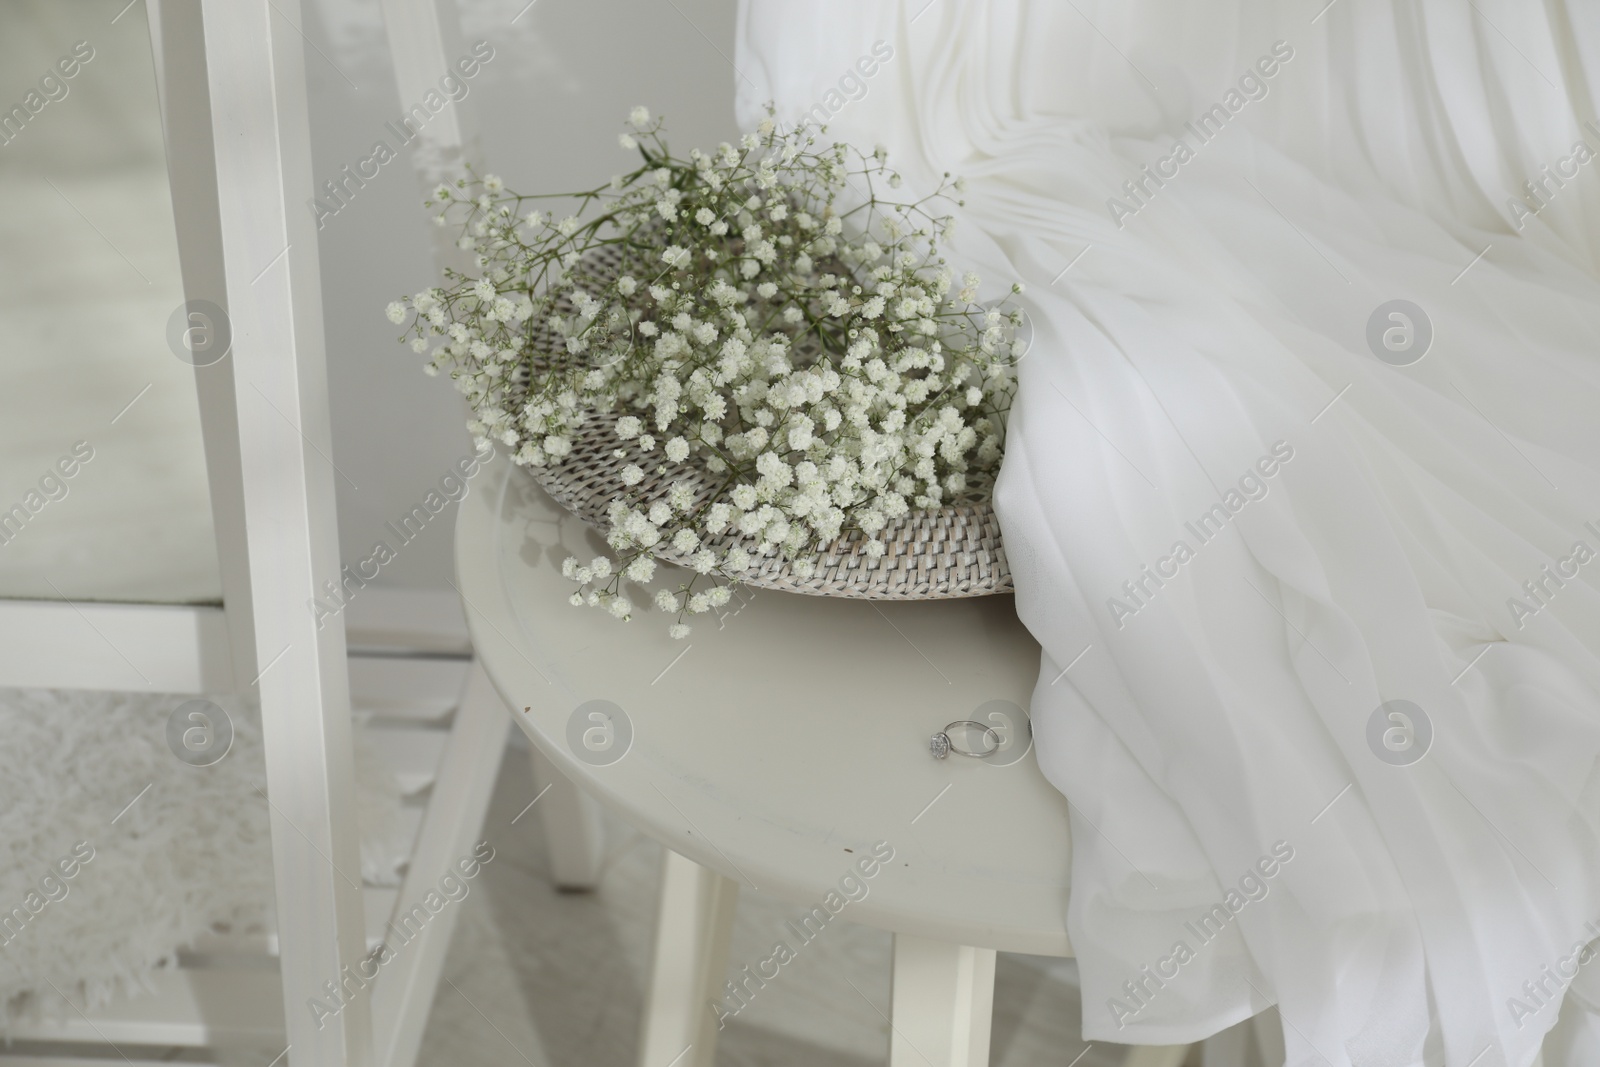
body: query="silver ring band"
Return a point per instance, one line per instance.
(941, 745)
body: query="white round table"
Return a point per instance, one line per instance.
(779, 744)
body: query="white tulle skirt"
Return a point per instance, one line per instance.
(1326, 567)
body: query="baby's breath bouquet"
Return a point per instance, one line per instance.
(772, 344)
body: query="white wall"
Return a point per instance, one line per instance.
(548, 107)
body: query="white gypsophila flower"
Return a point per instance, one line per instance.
(627, 142)
(681, 496)
(818, 369)
(678, 631)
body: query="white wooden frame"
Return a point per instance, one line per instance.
(177, 648)
(230, 78)
(56, 644)
(255, 67)
(232, 89)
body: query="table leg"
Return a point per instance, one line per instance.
(694, 926)
(1268, 1032)
(573, 831)
(941, 1004)
(1156, 1056)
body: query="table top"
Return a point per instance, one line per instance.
(787, 736)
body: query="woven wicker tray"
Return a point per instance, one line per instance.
(931, 554)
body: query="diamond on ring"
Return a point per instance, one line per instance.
(941, 745)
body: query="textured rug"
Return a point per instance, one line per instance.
(115, 854)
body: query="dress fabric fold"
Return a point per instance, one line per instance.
(1332, 612)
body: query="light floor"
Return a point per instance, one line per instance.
(556, 980)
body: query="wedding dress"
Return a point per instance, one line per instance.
(1340, 746)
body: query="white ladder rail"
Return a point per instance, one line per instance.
(255, 76)
(178, 47)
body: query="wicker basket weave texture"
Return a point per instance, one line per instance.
(930, 554)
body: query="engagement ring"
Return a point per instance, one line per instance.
(941, 745)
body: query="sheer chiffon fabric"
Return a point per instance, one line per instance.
(1356, 532)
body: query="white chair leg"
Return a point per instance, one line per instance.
(1229, 1048)
(1268, 1033)
(574, 832)
(1156, 1056)
(694, 927)
(404, 989)
(941, 1004)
